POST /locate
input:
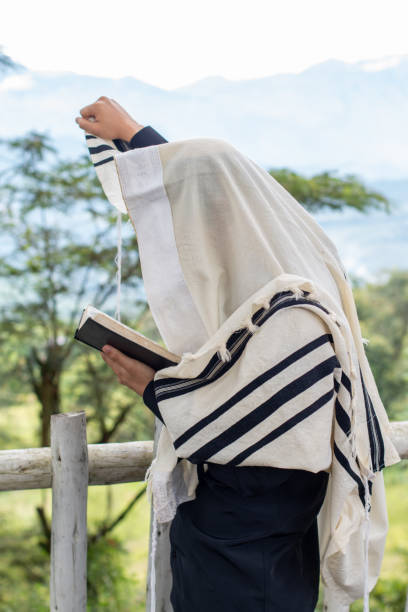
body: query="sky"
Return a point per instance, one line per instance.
(174, 43)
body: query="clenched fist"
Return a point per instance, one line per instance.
(108, 119)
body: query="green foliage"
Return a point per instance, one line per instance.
(52, 267)
(327, 191)
(383, 313)
(114, 413)
(109, 586)
(25, 575)
(24, 570)
(388, 595)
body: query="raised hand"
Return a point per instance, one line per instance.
(107, 119)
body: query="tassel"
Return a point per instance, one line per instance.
(149, 478)
(263, 302)
(298, 292)
(366, 541)
(186, 357)
(118, 262)
(353, 436)
(249, 325)
(252, 327)
(224, 353)
(353, 444)
(333, 316)
(153, 563)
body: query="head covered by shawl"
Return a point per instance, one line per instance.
(219, 238)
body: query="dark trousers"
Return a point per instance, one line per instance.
(248, 542)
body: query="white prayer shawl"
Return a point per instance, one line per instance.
(247, 287)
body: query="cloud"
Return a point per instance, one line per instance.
(17, 82)
(382, 64)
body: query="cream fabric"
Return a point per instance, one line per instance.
(229, 238)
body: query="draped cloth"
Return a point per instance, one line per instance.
(246, 286)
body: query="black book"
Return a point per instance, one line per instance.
(96, 329)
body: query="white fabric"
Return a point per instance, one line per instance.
(166, 290)
(237, 238)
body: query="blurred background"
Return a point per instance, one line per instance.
(315, 92)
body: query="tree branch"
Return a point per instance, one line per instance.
(106, 528)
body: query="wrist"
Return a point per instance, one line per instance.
(145, 385)
(130, 130)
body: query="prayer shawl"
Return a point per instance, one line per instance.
(246, 286)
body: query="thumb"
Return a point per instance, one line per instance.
(88, 126)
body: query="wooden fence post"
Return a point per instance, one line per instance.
(69, 461)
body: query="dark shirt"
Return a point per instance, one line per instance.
(145, 137)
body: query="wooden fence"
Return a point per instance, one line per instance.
(69, 466)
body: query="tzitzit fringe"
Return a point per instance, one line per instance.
(118, 262)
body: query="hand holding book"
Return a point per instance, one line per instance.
(98, 329)
(130, 372)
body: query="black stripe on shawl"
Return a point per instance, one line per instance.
(345, 381)
(374, 431)
(285, 427)
(104, 161)
(100, 148)
(172, 387)
(342, 459)
(89, 136)
(259, 414)
(241, 335)
(250, 387)
(342, 417)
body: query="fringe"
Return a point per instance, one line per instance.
(149, 478)
(224, 353)
(153, 563)
(186, 357)
(366, 542)
(298, 292)
(251, 327)
(118, 262)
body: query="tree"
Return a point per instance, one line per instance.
(58, 249)
(58, 254)
(327, 191)
(7, 64)
(383, 312)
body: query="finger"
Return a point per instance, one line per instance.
(93, 109)
(117, 356)
(118, 369)
(90, 109)
(89, 126)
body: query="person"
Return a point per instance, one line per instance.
(274, 435)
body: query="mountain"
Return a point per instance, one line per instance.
(334, 115)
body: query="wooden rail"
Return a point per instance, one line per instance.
(69, 466)
(31, 468)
